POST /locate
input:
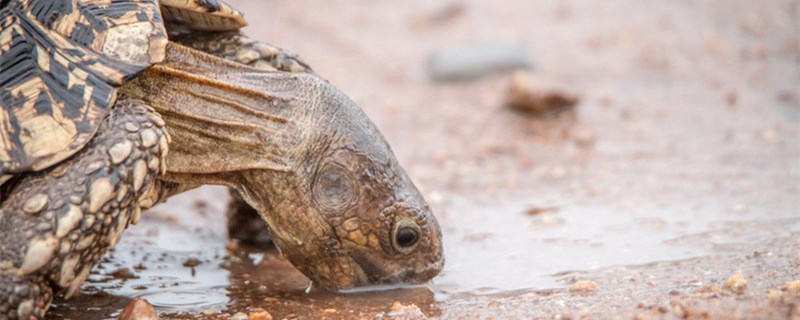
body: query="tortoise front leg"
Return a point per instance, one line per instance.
(57, 224)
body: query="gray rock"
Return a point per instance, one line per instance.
(478, 60)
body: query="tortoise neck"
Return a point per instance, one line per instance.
(224, 117)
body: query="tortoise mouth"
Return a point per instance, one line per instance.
(371, 272)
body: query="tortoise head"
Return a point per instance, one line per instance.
(305, 157)
(346, 214)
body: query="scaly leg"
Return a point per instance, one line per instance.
(237, 47)
(57, 224)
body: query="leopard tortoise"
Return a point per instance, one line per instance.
(109, 107)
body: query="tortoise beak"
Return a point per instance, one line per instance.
(418, 274)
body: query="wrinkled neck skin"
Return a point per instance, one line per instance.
(304, 156)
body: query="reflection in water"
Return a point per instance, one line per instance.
(261, 278)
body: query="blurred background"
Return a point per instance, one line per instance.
(615, 158)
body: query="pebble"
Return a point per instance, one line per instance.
(124, 273)
(259, 314)
(774, 295)
(584, 138)
(477, 60)
(405, 310)
(537, 95)
(191, 262)
(138, 309)
(793, 287)
(533, 211)
(209, 312)
(583, 286)
(736, 283)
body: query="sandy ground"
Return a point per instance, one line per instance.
(671, 191)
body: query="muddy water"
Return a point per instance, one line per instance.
(679, 163)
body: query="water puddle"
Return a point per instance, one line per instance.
(180, 260)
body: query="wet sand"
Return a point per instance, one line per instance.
(678, 169)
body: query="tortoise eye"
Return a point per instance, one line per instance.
(406, 236)
(334, 188)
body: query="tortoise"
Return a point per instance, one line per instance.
(104, 114)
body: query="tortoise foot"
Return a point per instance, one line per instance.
(55, 225)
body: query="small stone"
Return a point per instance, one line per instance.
(793, 287)
(405, 310)
(641, 316)
(770, 136)
(584, 138)
(774, 295)
(537, 96)
(680, 311)
(478, 60)
(534, 211)
(736, 283)
(191, 263)
(139, 309)
(209, 312)
(259, 314)
(124, 273)
(583, 286)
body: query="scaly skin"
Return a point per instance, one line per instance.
(234, 46)
(56, 224)
(243, 221)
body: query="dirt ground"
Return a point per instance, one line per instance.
(672, 190)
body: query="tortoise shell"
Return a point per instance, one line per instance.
(61, 62)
